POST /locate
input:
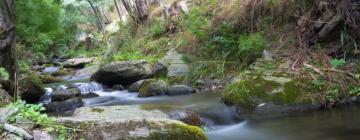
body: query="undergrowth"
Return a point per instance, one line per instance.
(33, 112)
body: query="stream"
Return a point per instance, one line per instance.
(223, 122)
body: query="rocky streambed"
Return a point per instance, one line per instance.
(131, 100)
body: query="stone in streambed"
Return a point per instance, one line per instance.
(175, 90)
(31, 88)
(62, 95)
(153, 88)
(130, 122)
(176, 113)
(123, 72)
(46, 79)
(63, 106)
(60, 73)
(135, 87)
(77, 62)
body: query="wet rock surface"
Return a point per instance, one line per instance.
(31, 88)
(175, 90)
(123, 73)
(153, 88)
(130, 122)
(77, 62)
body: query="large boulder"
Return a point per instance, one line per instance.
(153, 88)
(77, 62)
(123, 73)
(31, 88)
(175, 90)
(130, 122)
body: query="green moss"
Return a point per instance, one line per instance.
(98, 110)
(50, 79)
(60, 73)
(31, 88)
(144, 88)
(253, 88)
(152, 87)
(179, 131)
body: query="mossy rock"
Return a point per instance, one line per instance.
(153, 88)
(176, 113)
(179, 131)
(5, 98)
(129, 122)
(254, 88)
(51, 79)
(60, 73)
(31, 88)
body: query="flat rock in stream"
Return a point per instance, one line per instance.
(65, 94)
(77, 62)
(130, 122)
(123, 72)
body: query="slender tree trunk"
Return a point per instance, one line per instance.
(137, 9)
(8, 57)
(117, 9)
(97, 13)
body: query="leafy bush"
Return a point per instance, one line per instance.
(33, 112)
(197, 22)
(337, 63)
(4, 75)
(157, 28)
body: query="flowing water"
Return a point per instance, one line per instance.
(224, 123)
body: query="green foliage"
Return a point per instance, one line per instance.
(24, 66)
(237, 94)
(157, 28)
(33, 112)
(251, 44)
(4, 75)
(332, 95)
(38, 22)
(337, 63)
(197, 22)
(354, 91)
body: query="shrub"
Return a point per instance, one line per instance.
(250, 45)
(336, 63)
(4, 75)
(157, 28)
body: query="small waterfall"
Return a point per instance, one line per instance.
(89, 87)
(47, 96)
(61, 87)
(51, 69)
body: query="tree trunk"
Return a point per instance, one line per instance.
(138, 10)
(117, 9)
(99, 20)
(142, 7)
(8, 58)
(130, 8)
